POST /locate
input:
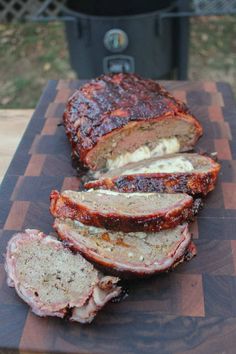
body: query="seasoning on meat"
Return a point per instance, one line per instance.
(138, 254)
(53, 281)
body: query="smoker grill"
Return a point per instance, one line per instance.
(149, 37)
(127, 36)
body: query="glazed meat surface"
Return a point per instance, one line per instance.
(122, 118)
(123, 211)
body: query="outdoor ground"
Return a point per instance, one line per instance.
(213, 49)
(30, 54)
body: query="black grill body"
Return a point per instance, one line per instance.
(135, 36)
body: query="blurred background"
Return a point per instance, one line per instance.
(42, 40)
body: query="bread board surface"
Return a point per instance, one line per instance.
(191, 310)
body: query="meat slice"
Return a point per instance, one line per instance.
(55, 282)
(133, 253)
(125, 212)
(188, 173)
(121, 118)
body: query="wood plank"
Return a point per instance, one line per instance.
(13, 123)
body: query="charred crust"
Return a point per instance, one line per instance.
(190, 252)
(197, 205)
(95, 109)
(68, 313)
(78, 165)
(192, 183)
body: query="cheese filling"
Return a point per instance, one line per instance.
(97, 230)
(125, 195)
(164, 146)
(170, 165)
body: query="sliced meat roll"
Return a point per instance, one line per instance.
(122, 118)
(188, 173)
(55, 282)
(123, 211)
(134, 253)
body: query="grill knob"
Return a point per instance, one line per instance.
(116, 40)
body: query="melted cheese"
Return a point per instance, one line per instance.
(104, 191)
(163, 147)
(173, 164)
(125, 195)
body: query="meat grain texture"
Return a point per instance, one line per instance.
(136, 254)
(55, 282)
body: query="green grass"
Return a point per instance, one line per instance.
(31, 54)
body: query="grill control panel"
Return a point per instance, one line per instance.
(116, 40)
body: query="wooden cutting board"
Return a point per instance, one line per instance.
(191, 310)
